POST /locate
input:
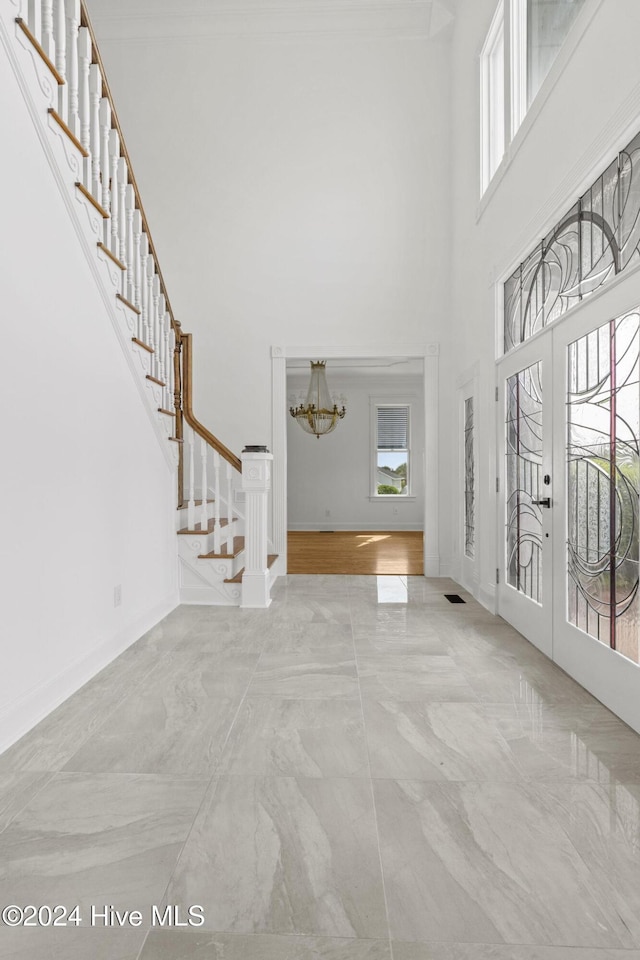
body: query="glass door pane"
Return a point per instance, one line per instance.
(525, 575)
(603, 483)
(524, 482)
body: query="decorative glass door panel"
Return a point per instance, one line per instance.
(525, 585)
(469, 481)
(524, 481)
(603, 482)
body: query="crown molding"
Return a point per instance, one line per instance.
(160, 20)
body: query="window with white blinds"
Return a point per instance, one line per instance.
(393, 428)
(391, 459)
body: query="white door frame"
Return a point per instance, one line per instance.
(429, 354)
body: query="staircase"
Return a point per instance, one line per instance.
(222, 499)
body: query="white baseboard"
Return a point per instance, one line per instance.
(22, 714)
(486, 595)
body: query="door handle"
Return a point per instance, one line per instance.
(545, 502)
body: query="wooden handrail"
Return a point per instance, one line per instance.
(187, 406)
(96, 58)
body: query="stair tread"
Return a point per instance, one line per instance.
(238, 547)
(271, 559)
(223, 523)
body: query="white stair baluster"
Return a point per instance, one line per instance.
(191, 505)
(169, 341)
(121, 250)
(128, 291)
(34, 18)
(162, 343)
(204, 519)
(84, 99)
(230, 528)
(157, 343)
(217, 539)
(137, 237)
(72, 25)
(137, 270)
(114, 157)
(95, 92)
(143, 305)
(105, 193)
(151, 306)
(47, 42)
(60, 43)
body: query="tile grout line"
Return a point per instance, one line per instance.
(370, 779)
(49, 778)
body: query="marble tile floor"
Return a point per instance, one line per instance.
(361, 772)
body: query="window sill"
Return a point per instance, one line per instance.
(396, 497)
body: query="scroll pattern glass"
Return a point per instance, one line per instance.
(469, 482)
(523, 480)
(597, 239)
(603, 483)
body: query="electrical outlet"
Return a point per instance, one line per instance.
(117, 595)
(395, 511)
(327, 513)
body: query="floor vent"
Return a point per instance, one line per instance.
(454, 598)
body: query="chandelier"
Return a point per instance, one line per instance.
(318, 415)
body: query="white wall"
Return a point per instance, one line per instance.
(87, 495)
(584, 115)
(333, 473)
(297, 185)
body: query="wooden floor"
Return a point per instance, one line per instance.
(356, 552)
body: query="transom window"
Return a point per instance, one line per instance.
(597, 239)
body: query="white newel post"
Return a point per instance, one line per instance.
(256, 483)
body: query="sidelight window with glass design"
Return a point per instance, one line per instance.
(469, 482)
(523, 482)
(603, 483)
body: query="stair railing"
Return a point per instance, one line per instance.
(208, 472)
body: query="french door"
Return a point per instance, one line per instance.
(569, 478)
(525, 576)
